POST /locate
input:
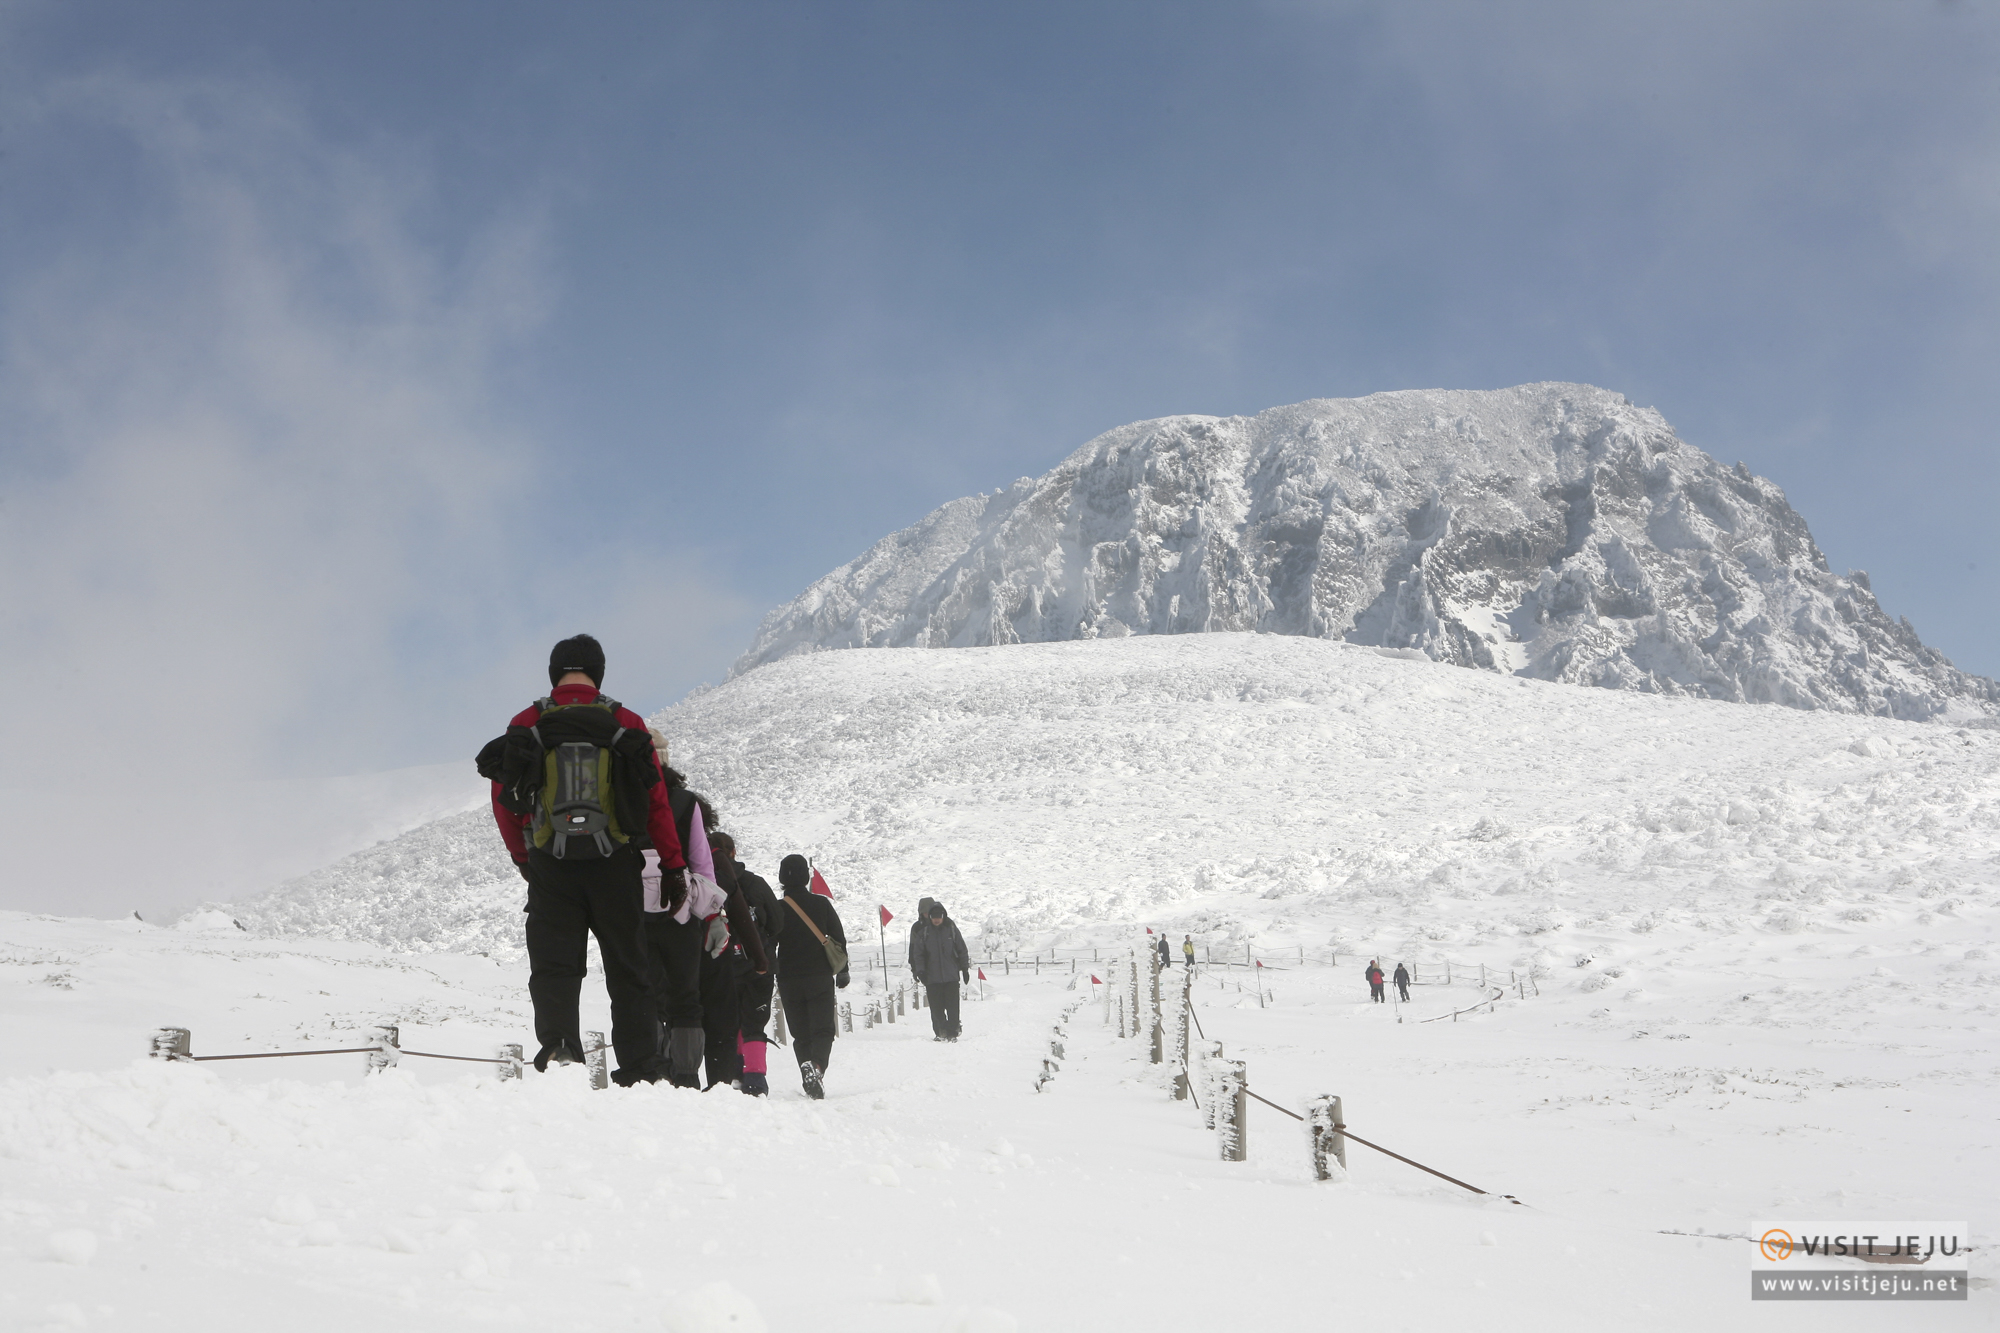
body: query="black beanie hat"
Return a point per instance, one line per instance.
(793, 872)
(581, 653)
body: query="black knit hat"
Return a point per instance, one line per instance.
(581, 653)
(793, 872)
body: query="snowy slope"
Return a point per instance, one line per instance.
(1553, 531)
(1279, 789)
(1757, 980)
(936, 1191)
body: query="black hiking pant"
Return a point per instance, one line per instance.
(674, 955)
(1403, 987)
(753, 1002)
(1375, 991)
(718, 1018)
(944, 1007)
(569, 901)
(811, 1010)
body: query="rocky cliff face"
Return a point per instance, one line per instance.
(1552, 530)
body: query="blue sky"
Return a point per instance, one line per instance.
(349, 354)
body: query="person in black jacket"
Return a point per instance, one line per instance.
(1403, 982)
(939, 960)
(753, 988)
(805, 975)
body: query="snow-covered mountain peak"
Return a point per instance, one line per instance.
(1553, 531)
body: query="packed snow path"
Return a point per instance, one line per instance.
(934, 1189)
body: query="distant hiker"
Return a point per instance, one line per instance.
(576, 844)
(1166, 957)
(812, 956)
(939, 960)
(1187, 951)
(1403, 982)
(753, 987)
(1375, 982)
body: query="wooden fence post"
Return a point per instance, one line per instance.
(386, 1052)
(1210, 1064)
(1324, 1118)
(510, 1063)
(1233, 1121)
(595, 1060)
(778, 1019)
(172, 1044)
(1159, 1031)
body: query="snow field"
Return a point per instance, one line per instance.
(935, 1189)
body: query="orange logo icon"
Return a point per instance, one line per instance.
(1776, 1244)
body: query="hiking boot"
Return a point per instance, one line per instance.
(756, 1085)
(809, 1079)
(684, 1049)
(559, 1051)
(646, 1073)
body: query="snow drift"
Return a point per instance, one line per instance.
(1552, 531)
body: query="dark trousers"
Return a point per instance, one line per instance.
(1403, 987)
(674, 951)
(753, 1002)
(568, 901)
(718, 1018)
(1375, 991)
(944, 1007)
(812, 1012)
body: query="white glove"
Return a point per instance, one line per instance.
(718, 936)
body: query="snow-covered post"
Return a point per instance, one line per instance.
(172, 1044)
(1324, 1120)
(1210, 1065)
(1233, 1121)
(846, 1016)
(1121, 1013)
(595, 1061)
(386, 1052)
(778, 1018)
(888, 1007)
(1181, 1034)
(899, 1001)
(1153, 984)
(510, 1063)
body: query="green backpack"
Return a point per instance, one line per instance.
(584, 781)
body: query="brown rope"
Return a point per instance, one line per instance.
(273, 1055)
(475, 1059)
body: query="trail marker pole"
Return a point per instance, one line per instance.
(1210, 1064)
(846, 1016)
(172, 1044)
(510, 1063)
(594, 1061)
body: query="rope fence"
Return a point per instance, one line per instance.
(383, 1050)
(1226, 1082)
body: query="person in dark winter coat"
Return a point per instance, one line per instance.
(1403, 982)
(921, 924)
(1166, 955)
(570, 899)
(687, 937)
(806, 978)
(938, 958)
(1375, 982)
(753, 988)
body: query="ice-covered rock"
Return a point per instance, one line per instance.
(1554, 531)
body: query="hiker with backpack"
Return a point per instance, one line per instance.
(812, 962)
(753, 986)
(1374, 975)
(575, 786)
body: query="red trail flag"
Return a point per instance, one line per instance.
(887, 915)
(819, 884)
